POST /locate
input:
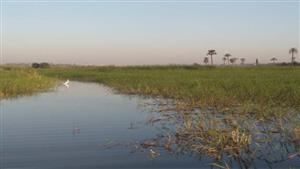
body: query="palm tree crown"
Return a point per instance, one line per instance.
(273, 59)
(211, 53)
(293, 51)
(233, 60)
(227, 55)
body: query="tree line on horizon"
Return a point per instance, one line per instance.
(228, 59)
(40, 65)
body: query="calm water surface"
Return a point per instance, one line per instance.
(66, 128)
(42, 131)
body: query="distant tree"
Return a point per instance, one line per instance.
(232, 60)
(293, 51)
(206, 60)
(242, 61)
(273, 59)
(211, 53)
(256, 62)
(224, 60)
(35, 65)
(44, 65)
(227, 56)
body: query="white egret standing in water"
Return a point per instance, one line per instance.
(67, 83)
(153, 154)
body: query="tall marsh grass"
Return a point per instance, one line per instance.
(234, 115)
(21, 81)
(198, 86)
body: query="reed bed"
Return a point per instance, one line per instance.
(22, 81)
(229, 140)
(234, 115)
(252, 88)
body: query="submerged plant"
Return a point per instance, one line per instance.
(231, 140)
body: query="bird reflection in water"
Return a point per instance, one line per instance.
(76, 130)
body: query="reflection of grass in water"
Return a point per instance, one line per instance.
(213, 140)
(20, 81)
(232, 139)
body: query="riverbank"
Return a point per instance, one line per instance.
(197, 86)
(22, 81)
(231, 114)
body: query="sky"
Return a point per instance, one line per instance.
(146, 32)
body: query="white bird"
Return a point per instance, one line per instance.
(153, 154)
(67, 83)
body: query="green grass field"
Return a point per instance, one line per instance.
(196, 86)
(219, 87)
(22, 81)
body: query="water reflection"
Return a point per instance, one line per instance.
(66, 128)
(231, 139)
(89, 126)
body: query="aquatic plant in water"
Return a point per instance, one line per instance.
(230, 139)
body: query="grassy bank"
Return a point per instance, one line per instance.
(22, 81)
(238, 105)
(247, 113)
(198, 86)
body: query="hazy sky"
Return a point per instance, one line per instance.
(147, 32)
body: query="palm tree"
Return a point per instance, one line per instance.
(293, 51)
(232, 60)
(273, 59)
(211, 53)
(224, 60)
(206, 60)
(242, 60)
(227, 55)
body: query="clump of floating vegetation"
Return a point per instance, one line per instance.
(21, 81)
(231, 140)
(213, 141)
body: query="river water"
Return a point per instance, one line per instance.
(66, 129)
